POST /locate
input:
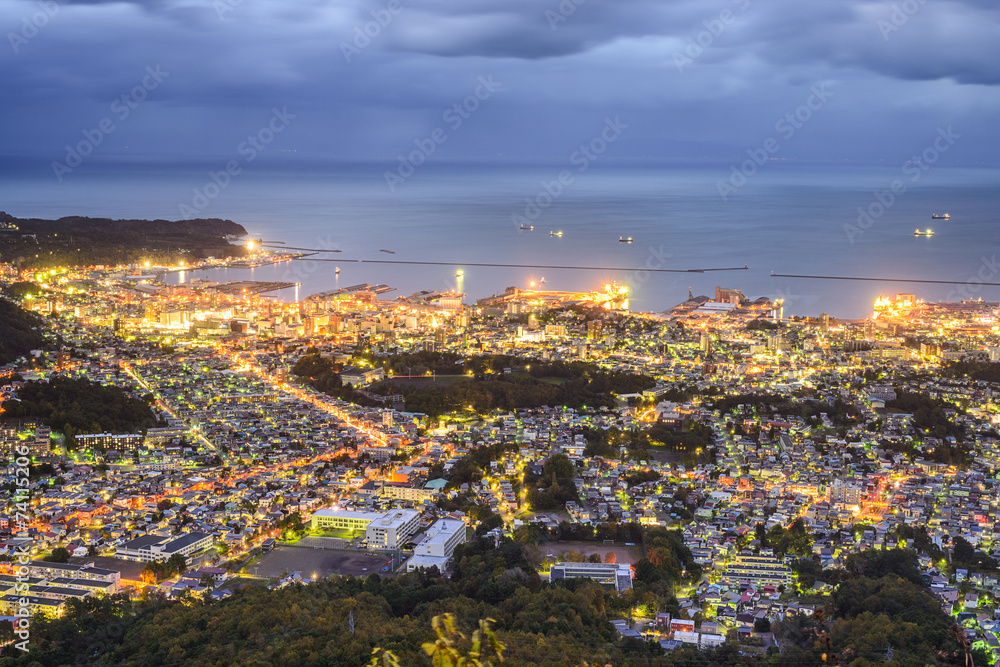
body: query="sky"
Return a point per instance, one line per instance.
(501, 80)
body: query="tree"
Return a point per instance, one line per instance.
(611, 557)
(58, 555)
(444, 651)
(177, 563)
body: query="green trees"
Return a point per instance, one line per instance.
(667, 552)
(554, 487)
(876, 563)
(966, 556)
(83, 405)
(872, 613)
(795, 540)
(424, 619)
(81, 241)
(320, 372)
(880, 602)
(58, 555)
(444, 650)
(975, 370)
(291, 526)
(573, 384)
(928, 414)
(641, 477)
(158, 570)
(18, 331)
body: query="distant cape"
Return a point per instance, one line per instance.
(82, 224)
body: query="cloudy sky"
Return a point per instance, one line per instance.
(690, 78)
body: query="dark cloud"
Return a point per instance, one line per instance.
(694, 77)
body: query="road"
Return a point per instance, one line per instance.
(166, 408)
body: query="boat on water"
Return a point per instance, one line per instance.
(530, 228)
(337, 270)
(940, 216)
(391, 252)
(624, 239)
(925, 232)
(555, 233)
(459, 273)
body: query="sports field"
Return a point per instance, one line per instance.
(314, 561)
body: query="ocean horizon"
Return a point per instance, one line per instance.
(781, 217)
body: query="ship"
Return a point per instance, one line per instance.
(940, 216)
(337, 270)
(555, 233)
(530, 228)
(624, 239)
(459, 273)
(391, 252)
(926, 232)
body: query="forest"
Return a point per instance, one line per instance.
(928, 414)
(642, 443)
(540, 623)
(552, 385)
(881, 601)
(79, 405)
(323, 375)
(82, 241)
(840, 412)
(530, 385)
(553, 487)
(18, 331)
(987, 371)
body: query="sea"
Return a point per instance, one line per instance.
(785, 218)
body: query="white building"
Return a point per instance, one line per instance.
(845, 493)
(344, 520)
(618, 575)
(392, 529)
(438, 545)
(154, 547)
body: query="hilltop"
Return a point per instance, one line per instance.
(82, 241)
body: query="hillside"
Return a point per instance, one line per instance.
(82, 241)
(879, 603)
(18, 331)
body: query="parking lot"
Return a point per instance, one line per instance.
(312, 561)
